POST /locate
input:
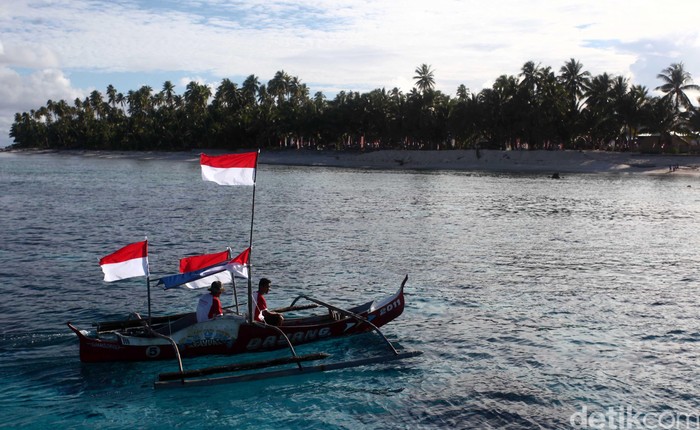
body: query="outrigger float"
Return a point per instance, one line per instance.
(182, 336)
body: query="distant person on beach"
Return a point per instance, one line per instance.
(209, 305)
(261, 312)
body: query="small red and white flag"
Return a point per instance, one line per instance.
(197, 262)
(229, 169)
(128, 262)
(239, 265)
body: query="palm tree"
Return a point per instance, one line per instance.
(462, 92)
(196, 99)
(549, 120)
(622, 107)
(676, 82)
(227, 96)
(62, 113)
(139, 101)
(599, 110)
(279, 86)
(140, 109)
(111, 95)
(425, 78)
(249, 89)
(694, 121)
(121, 100)
(530, 74)
(639, 109)
(575, 81)
(498, 110)
(168, 93)
(320, 101)
(598, 93)
(97, 104)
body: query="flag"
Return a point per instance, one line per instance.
(236, 266)
(197, 262)
(188, 264)
(239, 265)
(230, 169)
(173, 281)
(128, 262)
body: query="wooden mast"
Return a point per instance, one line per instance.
(250, 245)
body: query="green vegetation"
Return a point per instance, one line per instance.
(538, 109)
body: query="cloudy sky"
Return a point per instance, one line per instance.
(63, 49)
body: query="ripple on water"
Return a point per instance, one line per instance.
(529, 299)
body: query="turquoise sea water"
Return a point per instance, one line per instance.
(537, 303)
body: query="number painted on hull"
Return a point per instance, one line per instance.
(391, 306)
(152, 352)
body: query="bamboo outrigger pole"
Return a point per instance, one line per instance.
(250, 244)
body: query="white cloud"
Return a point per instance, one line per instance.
(29, 55)
(23, 93)
(339, 44)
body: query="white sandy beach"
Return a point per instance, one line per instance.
(495, 161)
(548, 162)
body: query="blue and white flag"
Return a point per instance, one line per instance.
(237, 267)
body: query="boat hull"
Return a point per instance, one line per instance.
(231, 334)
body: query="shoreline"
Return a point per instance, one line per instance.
(538, 161)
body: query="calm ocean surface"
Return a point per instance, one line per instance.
(537, 303)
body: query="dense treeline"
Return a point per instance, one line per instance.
(536, 109)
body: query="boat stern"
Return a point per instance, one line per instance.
(95, 350)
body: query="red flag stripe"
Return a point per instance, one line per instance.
(246, 160)
(190, 264)
(242, 258)
(129, 252)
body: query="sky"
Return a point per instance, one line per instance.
(64, 49)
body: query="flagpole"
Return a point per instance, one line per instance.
(235, 295)
(148, 283)
(252, 216)
(233, 282)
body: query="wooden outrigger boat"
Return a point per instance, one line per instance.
(181, 335)
(178, 336)
(138, 340)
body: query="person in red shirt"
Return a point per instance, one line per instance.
(209, 305)
(261, 313)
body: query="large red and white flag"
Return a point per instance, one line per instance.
(128, 262)
(229, 169)
(197, 262)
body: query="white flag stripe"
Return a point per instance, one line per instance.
(126, 269)
(224, 277)
(235, 269)
(229, 176)
(239, 269)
